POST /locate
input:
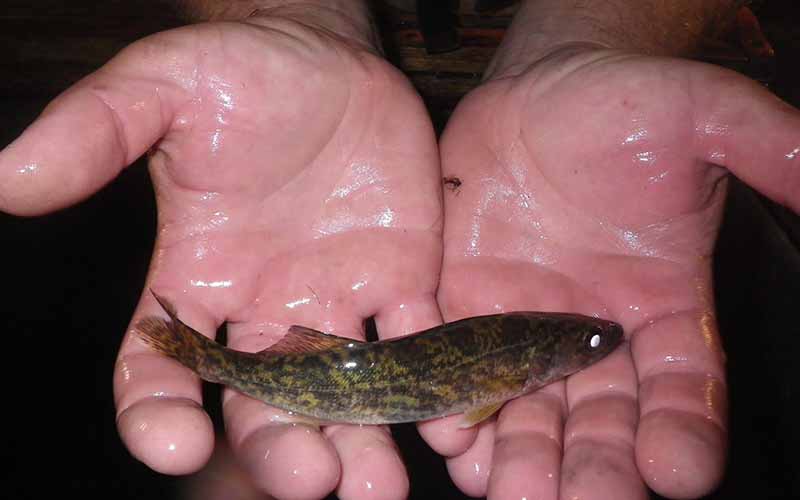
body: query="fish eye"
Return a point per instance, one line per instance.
(594, 340)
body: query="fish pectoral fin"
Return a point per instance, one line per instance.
(301, 339)
(478, 415)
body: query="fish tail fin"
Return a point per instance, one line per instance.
(175, 339)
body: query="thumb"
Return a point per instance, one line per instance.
(752, 133)
(88, 134)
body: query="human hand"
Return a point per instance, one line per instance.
(296, 176)
(594, 181)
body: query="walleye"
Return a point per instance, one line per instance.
(469, 366)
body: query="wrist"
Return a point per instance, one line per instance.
(346, 19)
(652, 27)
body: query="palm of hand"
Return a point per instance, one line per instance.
(611, 213)
(286, 174)
(297, 183)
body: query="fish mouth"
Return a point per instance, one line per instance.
(615, 334)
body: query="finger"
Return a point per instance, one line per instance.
(90, 132)
(446, 436)
(600, 432)
(408, 316)
(750, 131)
(285, 460)
(221, 479)
(526, 460)
(371, 463)
(470, 470)
(159, 402)
(681, 442)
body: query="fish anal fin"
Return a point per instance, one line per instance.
(292, 418)
(301, 339)
(478, 415)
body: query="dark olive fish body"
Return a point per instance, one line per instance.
(463, 366)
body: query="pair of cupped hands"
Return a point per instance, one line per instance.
(299, 181)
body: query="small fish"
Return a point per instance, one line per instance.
(470, 366)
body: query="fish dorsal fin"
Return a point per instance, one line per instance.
(166, 305)
(301, 339)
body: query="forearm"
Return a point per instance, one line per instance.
(658, 27)
(348, 18)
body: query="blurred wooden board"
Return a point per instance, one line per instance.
(50, 44)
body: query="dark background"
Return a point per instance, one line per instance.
(71, 279)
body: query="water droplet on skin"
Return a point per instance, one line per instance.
(636, 136)
(360, 175)
(211, 284)
(710, 395)
(646, 157)
(126, 371)
(385, 218)
(211, 195)
(219, 219)
(715, 129)
(658, 177)
(708, 330)
(298, 302)
(717, 157)
(30, 168)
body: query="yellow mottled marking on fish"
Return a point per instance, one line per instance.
(444, 391)
(401, 400)
(309, 399)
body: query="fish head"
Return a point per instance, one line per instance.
(584, 341)
(570, 344)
